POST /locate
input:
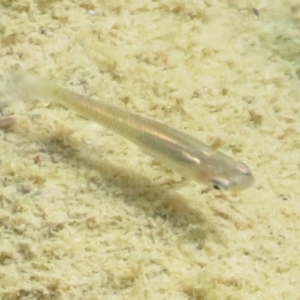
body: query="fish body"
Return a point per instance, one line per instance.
(177, 150)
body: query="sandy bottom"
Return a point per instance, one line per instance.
(84, 214)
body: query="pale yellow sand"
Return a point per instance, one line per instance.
(85, 215)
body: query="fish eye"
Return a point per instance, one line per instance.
(220, 184)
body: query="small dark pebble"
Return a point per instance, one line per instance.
(255, 11)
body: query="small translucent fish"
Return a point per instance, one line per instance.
(177, 150)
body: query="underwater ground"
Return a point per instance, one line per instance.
(84, 214)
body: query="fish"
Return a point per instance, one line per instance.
(175, 149)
